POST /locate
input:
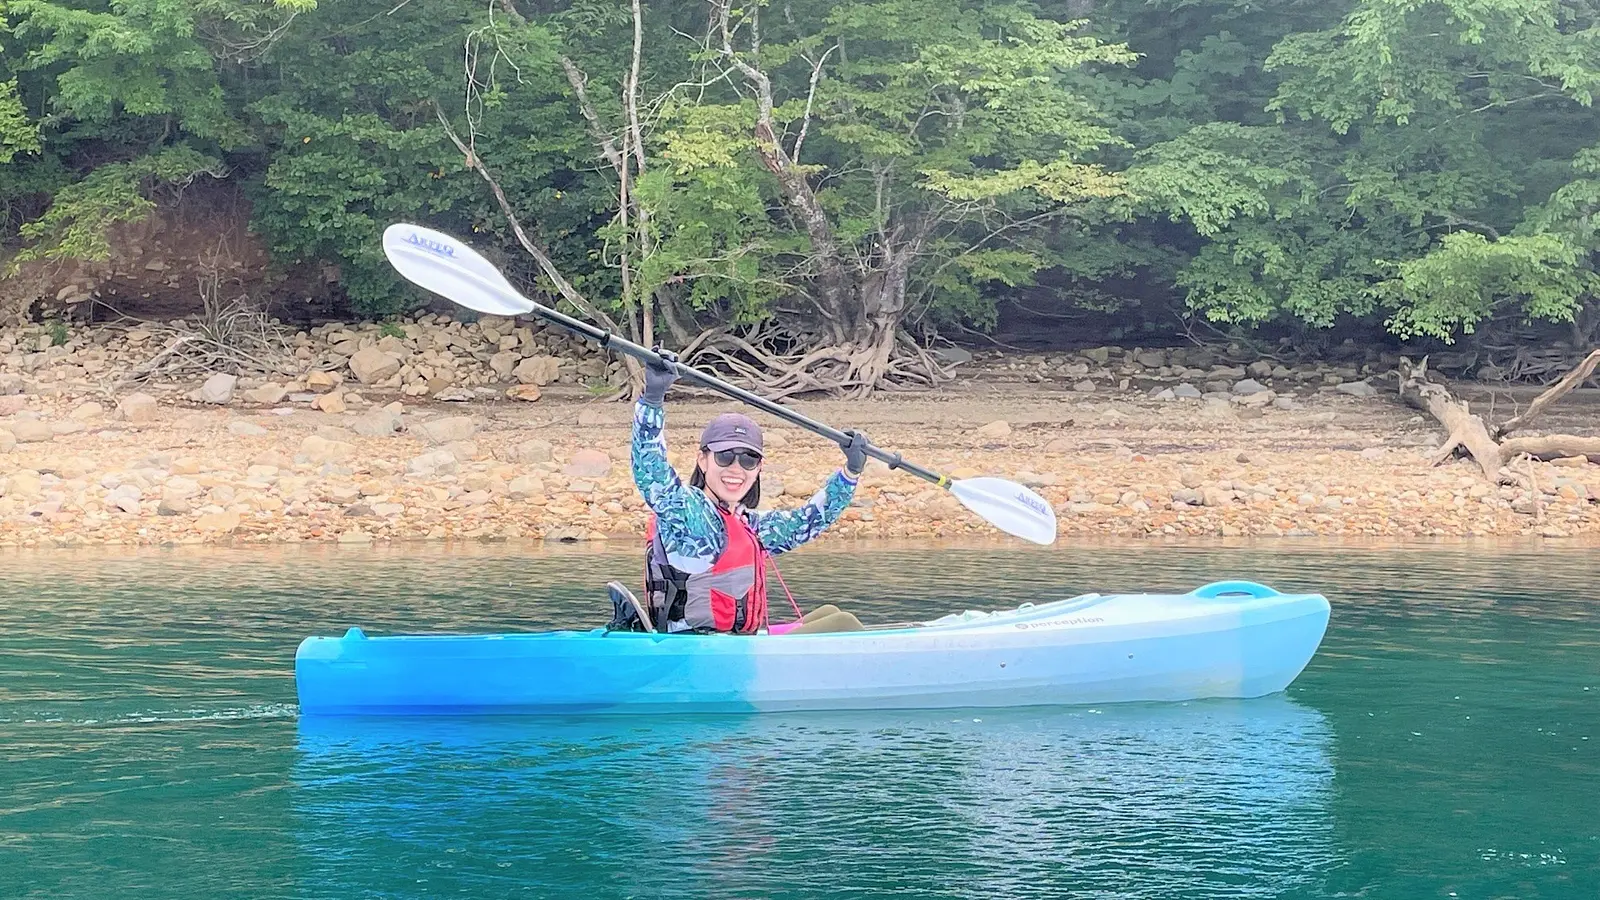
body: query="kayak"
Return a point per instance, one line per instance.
(1231, 639)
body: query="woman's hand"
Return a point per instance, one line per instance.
(659, 377)
(855, 452)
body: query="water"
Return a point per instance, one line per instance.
(1442, 744)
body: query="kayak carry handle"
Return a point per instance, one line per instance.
(1218, 588)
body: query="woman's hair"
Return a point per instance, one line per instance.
(752, 497)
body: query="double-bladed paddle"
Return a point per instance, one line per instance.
(450, 268)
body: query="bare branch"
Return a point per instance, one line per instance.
(511, 10)
(579, 82)
(1572, 379)
(631, 91)
(811, 95)
(548, 267)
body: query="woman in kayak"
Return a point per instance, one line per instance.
(708, 546)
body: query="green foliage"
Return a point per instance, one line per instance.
(1467, 278)
(391, 329)
(138, 58)
(947, 130)
(17, 133)
(1430, 165)
(714, 242)
(76, 224)
(1408, 138)
(1221, 172)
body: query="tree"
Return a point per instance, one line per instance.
(136, 81)
(1396, 177)
(907, 141)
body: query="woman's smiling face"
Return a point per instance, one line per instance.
(726, 476)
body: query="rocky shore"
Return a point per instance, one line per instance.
(435, 429)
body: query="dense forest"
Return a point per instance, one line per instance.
(809, 191)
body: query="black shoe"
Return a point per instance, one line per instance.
(627, 613)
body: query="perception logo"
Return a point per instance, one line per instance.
(432, 246)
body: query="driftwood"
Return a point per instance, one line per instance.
(1542, 402)
(1467, 430)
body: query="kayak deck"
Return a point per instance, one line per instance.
(1228, 639)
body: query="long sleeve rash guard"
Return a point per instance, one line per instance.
(690, 529)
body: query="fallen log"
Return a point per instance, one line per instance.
(1553, 446)
(1467, 431)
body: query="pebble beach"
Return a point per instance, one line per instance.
(433, 429)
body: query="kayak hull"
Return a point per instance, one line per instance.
(1225, 640)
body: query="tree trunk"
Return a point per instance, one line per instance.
(1468, 431)
(1572, 379)
(881, 297)
(834, 292)
(1465, 429)
(680, 322)
(860, 308)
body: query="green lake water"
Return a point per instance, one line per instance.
(1445, 741)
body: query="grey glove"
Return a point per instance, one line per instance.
(855, 452)
(658, 377)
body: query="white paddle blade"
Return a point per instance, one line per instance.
(1008, 506)
(444, 265)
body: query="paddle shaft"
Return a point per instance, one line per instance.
(612, 342)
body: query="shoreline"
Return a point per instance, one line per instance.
(1120, 449)
(405, 548)
(250, 477)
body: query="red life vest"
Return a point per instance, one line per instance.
(730, 596)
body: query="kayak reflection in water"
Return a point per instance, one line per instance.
(708, 546)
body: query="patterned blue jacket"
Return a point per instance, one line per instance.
(690, 529)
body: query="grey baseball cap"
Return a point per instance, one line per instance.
(731, 431)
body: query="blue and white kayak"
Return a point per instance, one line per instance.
(1232, 639)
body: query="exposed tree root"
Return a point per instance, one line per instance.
(779, 362)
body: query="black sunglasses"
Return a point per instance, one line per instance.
(748, 459)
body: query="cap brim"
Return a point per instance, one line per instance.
(734, 444)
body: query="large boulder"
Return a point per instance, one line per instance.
(589, 463)
(434, 462)
(137, 407)
(532, 451)
(540, 370)
(377, 423)
(218, 389)
(525, 486)
(318, 449)
(32, 431)
(371, 365)
(321, 382)
(447, 429)
(504, 363)
(269, 394)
